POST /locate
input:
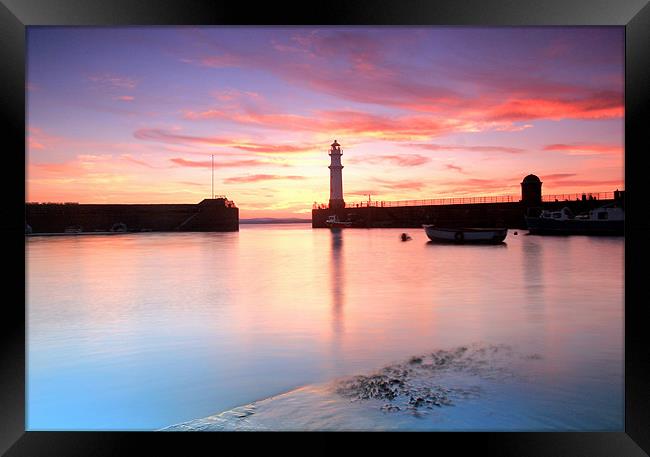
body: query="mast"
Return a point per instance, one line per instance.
(212, 177)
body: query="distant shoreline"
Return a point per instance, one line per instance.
(265, 220)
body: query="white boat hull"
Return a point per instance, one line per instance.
(466, 235)
(338, 225)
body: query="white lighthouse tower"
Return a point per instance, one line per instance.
(336, 177)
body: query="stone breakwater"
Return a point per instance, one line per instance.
(210, 215)
(419, 383)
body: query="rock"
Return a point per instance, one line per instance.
(415, 360)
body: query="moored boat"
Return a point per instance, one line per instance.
(73, 229)
(466, 234)
(334, 222)
(606, 220)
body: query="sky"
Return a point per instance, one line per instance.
(135, 114)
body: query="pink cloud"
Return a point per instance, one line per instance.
(557, 176)
(603, 105)
(585, 148)
(450, 147)
(169, 137)
(221, 61)
(33, 143)
(132, 159)
(113, 81)
(166, 136)
(472, 116)
(218, 164)
(557, 48)
(591, 182)
(454, 167)
(38, 139)
(401, 184)
(362, 193)
(275, 148)
(125, 98)
(364, 73)
(230, 95)
(481, 186)
(257, 178)
(454, 115)
(343, 122)
(57, 168)
(405, 160)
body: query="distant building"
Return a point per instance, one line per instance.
(336, 177)
(531, 190)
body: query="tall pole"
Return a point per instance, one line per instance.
(212, 176)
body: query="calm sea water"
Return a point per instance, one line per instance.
(141, 331)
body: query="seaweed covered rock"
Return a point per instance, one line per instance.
(416, 383)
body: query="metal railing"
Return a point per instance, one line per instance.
(471, 200)
(580, 196)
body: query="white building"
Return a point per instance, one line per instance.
(336, 177)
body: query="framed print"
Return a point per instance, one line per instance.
(368, 217)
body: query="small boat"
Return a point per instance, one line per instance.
(605, 220)
(73, 229)
(466, 235)
(333, 222)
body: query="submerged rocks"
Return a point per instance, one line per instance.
(415, 384)
(415, 360)
(379, 386)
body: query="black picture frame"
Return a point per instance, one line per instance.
(16, 15)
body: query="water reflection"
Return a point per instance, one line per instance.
(503, 244)
(337, 275)
(532, 261)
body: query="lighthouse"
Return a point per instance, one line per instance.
(336, 177)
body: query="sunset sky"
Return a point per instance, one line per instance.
(133, 115)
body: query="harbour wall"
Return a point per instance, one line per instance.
(210, 215)
(506, 214)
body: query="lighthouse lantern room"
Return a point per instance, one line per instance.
(336, 176)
